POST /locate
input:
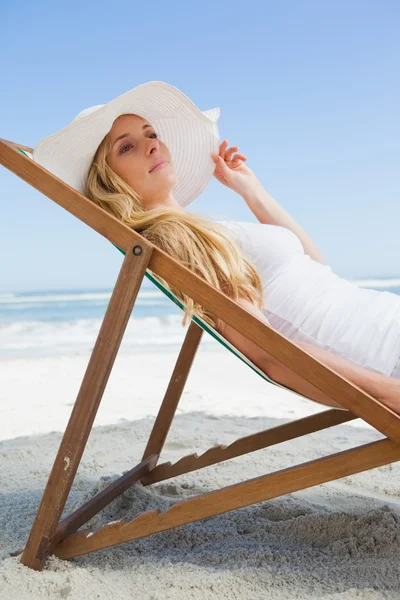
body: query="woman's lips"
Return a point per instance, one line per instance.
(159, 165)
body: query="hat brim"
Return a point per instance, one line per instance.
(190, 135)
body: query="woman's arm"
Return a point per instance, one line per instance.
(231, 170)
(267, 210)
(386, 389)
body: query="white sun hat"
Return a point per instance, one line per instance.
(190, 135)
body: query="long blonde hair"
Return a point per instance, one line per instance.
(203, 246)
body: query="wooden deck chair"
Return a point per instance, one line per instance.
(49, 535)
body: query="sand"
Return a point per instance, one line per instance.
(336, 541)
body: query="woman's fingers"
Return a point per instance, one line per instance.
(228, 153)
(223, 148)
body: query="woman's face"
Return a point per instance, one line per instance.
(134, 153)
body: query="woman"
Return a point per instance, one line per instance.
(145, 155)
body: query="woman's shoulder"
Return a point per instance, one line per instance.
(263, 234)
(249, 227)
(270, 247)
(244, 232)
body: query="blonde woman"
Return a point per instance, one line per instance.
(148, 153)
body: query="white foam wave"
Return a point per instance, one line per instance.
(86, 296)
(140, 301)
(24, 338)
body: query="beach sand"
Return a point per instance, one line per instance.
(338, 540)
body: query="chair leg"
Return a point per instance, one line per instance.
(174, 391)
(86, 405)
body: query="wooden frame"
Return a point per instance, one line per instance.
(50, 535)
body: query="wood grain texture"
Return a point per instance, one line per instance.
(16, 146)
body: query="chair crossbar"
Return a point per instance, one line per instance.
(249, 443)
(252, 491)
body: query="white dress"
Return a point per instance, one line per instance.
(305, 300)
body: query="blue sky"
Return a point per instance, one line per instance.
(309, 90)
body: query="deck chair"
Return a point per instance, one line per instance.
(50, 535)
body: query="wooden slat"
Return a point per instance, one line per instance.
(300, 362)
(249, 443)
(14, 145)
(93, 506)
(86, 405)
(236, 496)
(174, 391)
(90, 508)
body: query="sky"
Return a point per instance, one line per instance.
(309, 90)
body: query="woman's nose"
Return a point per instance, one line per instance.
(153, 146)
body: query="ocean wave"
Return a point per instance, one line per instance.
(24, 338)
(85, 296)
(140, 301)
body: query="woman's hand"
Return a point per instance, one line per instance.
(231, 170)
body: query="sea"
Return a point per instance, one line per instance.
(67, 322)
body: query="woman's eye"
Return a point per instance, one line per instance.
(128, 145)
(122, 149)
